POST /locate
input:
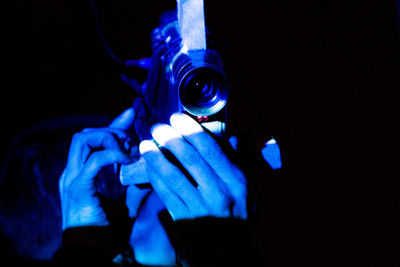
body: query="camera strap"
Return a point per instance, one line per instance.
(192, 24)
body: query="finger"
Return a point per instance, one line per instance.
(121, 134)
(212, 153)
(97, 161)
(134, 198)
(174, 204)
(124, 120)
(134, 173)
(209, 184)
(79, 205)
(83, 143)
(123, 137)
(208, 148)
(233, 141)
(171, 185)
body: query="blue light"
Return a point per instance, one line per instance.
(149, 238)
(272, 154)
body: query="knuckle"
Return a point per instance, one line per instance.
(76, 138)
(190, 158)
(169, 172)
(220, 204)
(111, 140)
(87, 130)
(93, 161)
(214, 153)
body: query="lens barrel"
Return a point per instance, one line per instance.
(202, 85)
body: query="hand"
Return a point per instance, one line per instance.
(149, 239)
(90, 151)
(222, 187)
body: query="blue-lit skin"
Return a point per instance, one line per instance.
(80, 206)
(149, 240)
(272, 154)
(222, 186)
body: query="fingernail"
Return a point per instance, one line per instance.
(184, 124)
(147, 146)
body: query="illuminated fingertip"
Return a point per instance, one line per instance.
(271, 141)
(272, 155)
(147, 146)
(162, 133)
(185, 124)
(156, 127)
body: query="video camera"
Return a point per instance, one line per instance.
(190, 81)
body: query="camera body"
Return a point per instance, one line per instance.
(181, 80)
(178, 80)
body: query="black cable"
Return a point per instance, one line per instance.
(103, 41)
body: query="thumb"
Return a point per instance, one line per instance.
(124, 120)
(233, 141)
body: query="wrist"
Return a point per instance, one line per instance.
(85, 216)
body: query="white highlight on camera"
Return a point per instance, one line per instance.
(192, 24)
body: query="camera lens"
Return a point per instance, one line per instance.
(199, 90)
(203, 92)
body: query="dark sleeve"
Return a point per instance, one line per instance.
(92, 245)
(86, 246)
(213, 241)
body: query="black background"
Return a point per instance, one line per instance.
(324, 74)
